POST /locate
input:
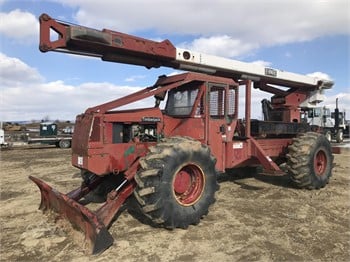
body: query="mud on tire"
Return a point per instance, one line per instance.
(176, 183)
(310, 161)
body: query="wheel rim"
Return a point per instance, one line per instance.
(65, 144)
(188, 184)
(320, 162)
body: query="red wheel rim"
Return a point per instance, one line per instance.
(320, 162)
(188, 184)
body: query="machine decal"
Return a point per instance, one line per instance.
(150, 119)
(237, 145)
(80, 160)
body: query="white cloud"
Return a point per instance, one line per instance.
(320, 75)
(227, 28)
(58, 100)
(173, 73)
(15, 73)
(25, 95)
(223, 27)
(134, 78)
(256, 108)
(223, 45)
(343, 102)
(261, 63)
(19, 25)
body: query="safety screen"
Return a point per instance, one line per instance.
(217, 102)
(231, 107)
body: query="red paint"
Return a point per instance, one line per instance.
(320, 162)
(188, 184)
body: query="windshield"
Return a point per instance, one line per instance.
(180, 102)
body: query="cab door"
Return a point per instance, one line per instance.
(219, 120)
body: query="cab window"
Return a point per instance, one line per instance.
(180, 101)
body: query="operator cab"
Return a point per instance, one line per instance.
(188, 100)
(181, 101)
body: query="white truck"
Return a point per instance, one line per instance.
(3, 143)
(332, 124)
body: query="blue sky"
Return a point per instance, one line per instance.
(306, 37)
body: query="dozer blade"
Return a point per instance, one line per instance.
(96, 234)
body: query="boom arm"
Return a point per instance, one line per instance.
(123, 48)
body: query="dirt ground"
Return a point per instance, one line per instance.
(255, 218)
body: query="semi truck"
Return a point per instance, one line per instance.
(3, 143)
(49, 135)
(331, 124)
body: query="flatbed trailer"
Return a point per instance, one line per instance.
(59, 141)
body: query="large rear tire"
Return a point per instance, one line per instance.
(310, 161)
(176, 183)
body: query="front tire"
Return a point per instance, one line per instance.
(176, 183)
(310, 161)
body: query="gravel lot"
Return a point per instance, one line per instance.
(255, 218)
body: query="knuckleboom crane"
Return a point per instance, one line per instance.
(168, 159)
